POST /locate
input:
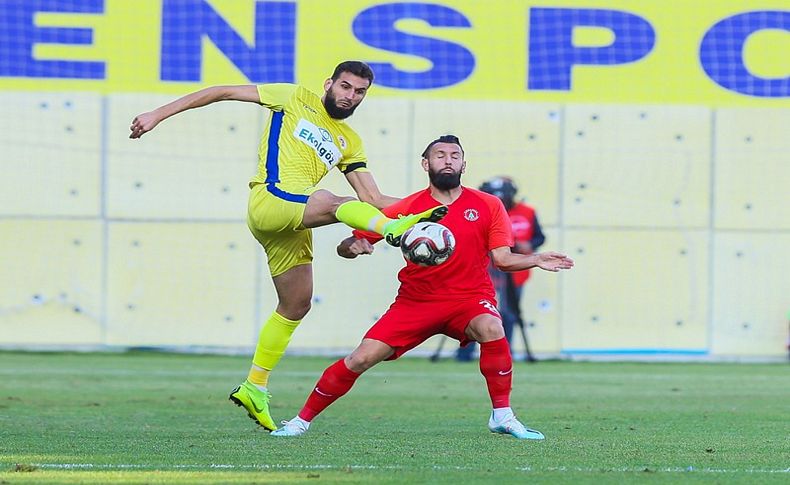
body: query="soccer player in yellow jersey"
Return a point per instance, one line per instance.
(306, 136)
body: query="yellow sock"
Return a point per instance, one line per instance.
(272, 341)
(361, 215)
(258, 376)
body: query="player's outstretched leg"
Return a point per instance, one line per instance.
(363, 216)
(394, 230)
(256, 402)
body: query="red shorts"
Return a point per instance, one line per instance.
(409, 323)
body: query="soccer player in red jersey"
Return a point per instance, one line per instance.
(466, 309)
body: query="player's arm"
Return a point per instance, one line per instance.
(367, 190)
(146, 122)
(505, 260)
(351, 247)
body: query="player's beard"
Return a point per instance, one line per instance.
(335, 111)
(444, 181)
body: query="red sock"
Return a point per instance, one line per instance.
(496, 365)
(336, 380)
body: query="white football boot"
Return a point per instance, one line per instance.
(294, 427)
(512, 426)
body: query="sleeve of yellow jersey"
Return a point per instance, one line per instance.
(357, 161)
(274, 96)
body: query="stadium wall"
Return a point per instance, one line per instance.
(653, 144)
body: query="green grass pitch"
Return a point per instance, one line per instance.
(165, 418)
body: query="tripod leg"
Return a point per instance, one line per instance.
(528, 357)
(435, 356)
(514, 300)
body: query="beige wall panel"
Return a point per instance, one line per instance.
(266, 296)
(499, 138)
(631, 166)
(181, 284)
(51, 282)
(540, 305)
(635, 290)
(51, 155)
(195, 165)
(350, 295)
(752, 168)
(385, 128)
(751, 294)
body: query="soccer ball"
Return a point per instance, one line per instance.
(427, 244)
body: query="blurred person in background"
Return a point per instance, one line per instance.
(528, 237)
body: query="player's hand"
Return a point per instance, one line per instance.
(143, 123)
(360, 246)
(352, 247)
(551, 261)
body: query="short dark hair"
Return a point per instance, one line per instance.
(442, 139)
(357, 68)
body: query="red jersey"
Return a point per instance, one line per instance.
(522, 219)
(479, 223)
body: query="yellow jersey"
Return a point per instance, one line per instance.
(302, 143)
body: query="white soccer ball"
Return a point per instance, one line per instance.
(427, 244)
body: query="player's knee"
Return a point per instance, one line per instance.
(489, 329)
(326, 201)
(338, 201)
(303, 310)
(294, 310)
(359, 362)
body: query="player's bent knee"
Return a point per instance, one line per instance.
(294, 310)
(338, 202)
(325, 200)
(487, 329)
(359, 362)
(322, 207)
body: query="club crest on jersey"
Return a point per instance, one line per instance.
(471, 215)
(320, 140)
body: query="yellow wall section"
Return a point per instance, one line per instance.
(751, 289)
(51, 149)
(51, 282)
(636, 166)
(178, 284)
(171, 262)
(753, 169)
(192, 166)
(636, 290)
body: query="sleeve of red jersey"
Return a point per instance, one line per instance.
(392, 211)
(500, 232)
